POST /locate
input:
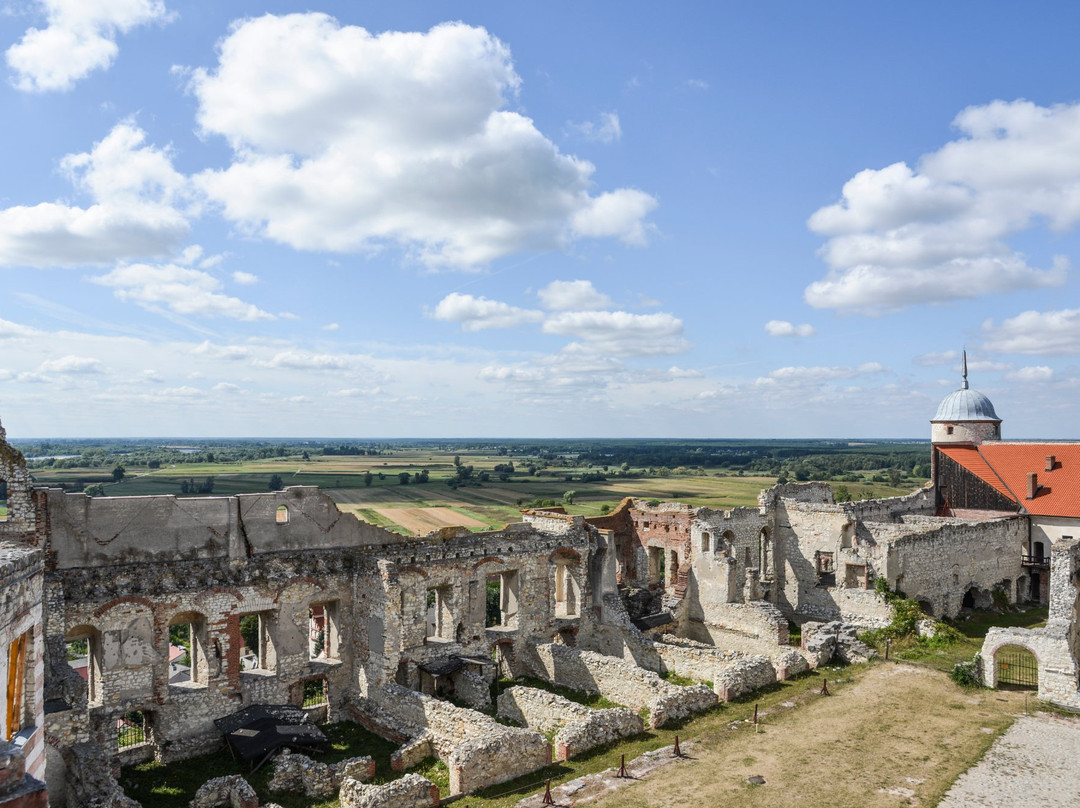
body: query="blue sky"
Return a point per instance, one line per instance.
(546, 219)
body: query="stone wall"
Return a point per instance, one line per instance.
(411, 791)
(478, 751)
(618, 681)
(1056, 646)
(576, 727)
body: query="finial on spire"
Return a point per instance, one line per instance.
(964, 384)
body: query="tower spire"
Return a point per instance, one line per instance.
(964, 384)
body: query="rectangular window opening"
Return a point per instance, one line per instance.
(132, 729)
(323, 638)
(826, 572)
(257, 650)
(315, 692)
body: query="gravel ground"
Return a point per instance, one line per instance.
(1033, 763)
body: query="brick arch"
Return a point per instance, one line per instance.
(487, 560)
(112, 604)
(565, 553)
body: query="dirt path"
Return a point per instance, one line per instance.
(1034, 763)
(899, 736)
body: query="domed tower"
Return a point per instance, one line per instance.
(965, 416)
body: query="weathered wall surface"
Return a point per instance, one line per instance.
(619, 681)
(576, 727)
(97, 531)
(937, 567)
(478, 751)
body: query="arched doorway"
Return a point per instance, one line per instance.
(1016, 668)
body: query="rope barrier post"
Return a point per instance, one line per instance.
(622, 768)
(825, 687)
(888, 647)
(678, 751)
(548, 799)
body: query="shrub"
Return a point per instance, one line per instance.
(966, 674)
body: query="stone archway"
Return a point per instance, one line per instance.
(1012, 662)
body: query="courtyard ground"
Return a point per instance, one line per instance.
(898, 735)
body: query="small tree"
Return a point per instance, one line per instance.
(94, 490)
(275, 483)
(154, 464)
(568, 497)
(368, 477)
(403, 478)
(118, 474)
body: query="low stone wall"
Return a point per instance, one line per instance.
(299, 773)
(411, 791)
(232, 791)
(577, 728)
(477, 749)
(619, 681)
(732, 673)
(823, 641)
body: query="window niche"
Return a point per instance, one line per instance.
(187, 650)
(567, 590)
(83, 646)
(501, 600)
(257, 652)
(439, 613)
(324, 642)
(281, 515)
(3, 500)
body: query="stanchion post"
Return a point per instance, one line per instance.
(548, 799)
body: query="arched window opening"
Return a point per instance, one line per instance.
(282, 515)
(706, 542)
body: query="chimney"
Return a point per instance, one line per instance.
(1032, 484)
(1050, 460)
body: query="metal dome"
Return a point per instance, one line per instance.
(965, 404)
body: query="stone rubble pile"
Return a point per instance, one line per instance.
(299, 773)
(824, 641)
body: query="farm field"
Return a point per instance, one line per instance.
(370, 486)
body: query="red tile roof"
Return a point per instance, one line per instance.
(1005, 467)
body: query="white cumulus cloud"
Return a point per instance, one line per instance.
(572, 296)
(479, 313)
(72, 364)
(80, 38)
(350, 142)
(138, 208)
(1048, 333)
(782, 328)
(619, 333)
(939, 231)
(180, 289)
(1038, 373)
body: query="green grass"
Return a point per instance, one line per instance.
(972, 633)
(173, 785)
